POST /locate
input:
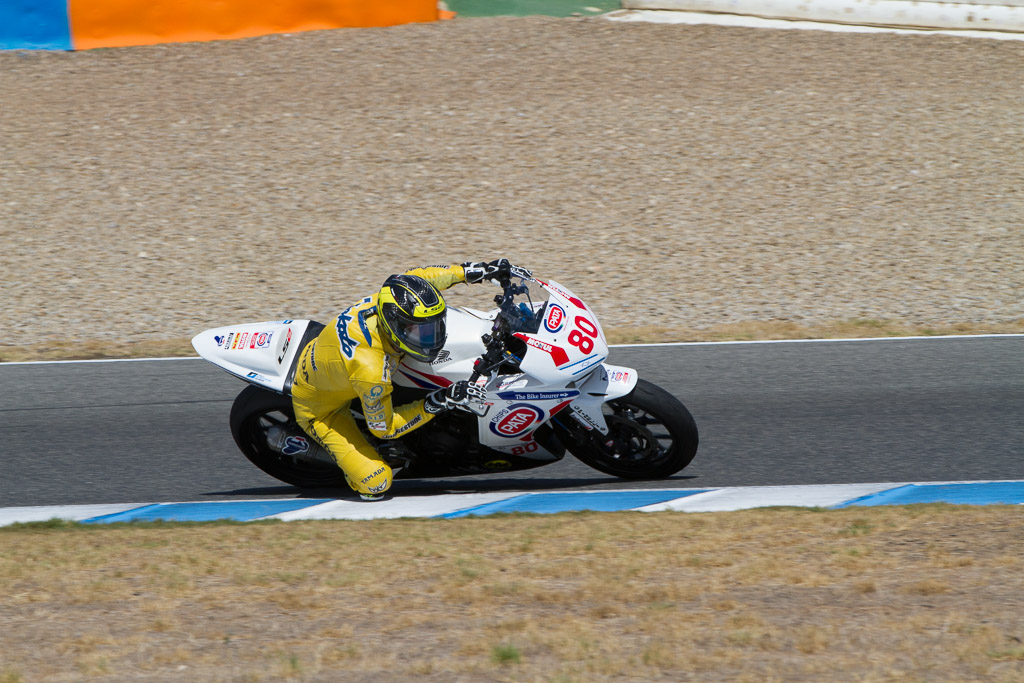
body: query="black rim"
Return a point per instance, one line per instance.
(637, 439)
(256, 430)
(641, 440)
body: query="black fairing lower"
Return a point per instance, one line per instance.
(313, 330)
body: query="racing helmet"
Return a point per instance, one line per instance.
(411, 314)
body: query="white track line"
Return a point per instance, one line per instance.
(821, 341)
(614, 346)
(96, 360)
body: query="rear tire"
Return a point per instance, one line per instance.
(651, 435)
(254, 414)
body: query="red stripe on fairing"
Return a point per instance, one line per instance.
(436, 379)
(575, 302)
(557, 353)
(422, 384)
(554, 411)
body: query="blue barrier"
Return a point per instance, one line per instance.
(34, 25)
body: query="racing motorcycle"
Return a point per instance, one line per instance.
(540, 357)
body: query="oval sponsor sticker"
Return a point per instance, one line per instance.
(555, 318)
(516, 419)
(295, 445)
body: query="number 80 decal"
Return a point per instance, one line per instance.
(584, 335)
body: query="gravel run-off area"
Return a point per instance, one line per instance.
(681, 179)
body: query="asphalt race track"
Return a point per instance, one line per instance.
(769, 414)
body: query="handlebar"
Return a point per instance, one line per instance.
(495, 353)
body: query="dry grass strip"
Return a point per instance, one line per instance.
(920, 593)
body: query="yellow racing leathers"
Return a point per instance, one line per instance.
(347, 361)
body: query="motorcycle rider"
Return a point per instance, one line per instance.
(354, 358)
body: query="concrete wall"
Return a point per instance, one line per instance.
(977, 15)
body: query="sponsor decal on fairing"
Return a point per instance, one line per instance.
(564, 294)
(588, 422)
(284, 349)
(261, 340)
(619, 376)
(555, 318)
(557, 353)
(537, 395)
(513, 382)
(516, 419)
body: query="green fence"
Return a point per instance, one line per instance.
(552, 8)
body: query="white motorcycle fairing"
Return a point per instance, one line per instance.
(260, 353)
(562, 367)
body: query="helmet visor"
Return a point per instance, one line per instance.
(423, 339)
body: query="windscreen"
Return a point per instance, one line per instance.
(530, 308)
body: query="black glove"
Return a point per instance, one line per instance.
(498, 269)
(459, 395)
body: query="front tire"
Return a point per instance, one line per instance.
(258, 418)
(651, 435)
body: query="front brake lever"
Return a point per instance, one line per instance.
(478, 409)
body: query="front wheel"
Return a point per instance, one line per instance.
(651, 435)
(263, 425)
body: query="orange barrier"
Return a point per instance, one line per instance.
(118, 23)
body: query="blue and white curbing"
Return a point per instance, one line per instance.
(448, 506)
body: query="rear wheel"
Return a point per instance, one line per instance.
(264, 428)
(651, 435)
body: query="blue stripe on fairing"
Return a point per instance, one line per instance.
(240, 511)
(34, 25)
(423, 384)
(602, 501)
(582, 360)
(993, 493)
(584, 369)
